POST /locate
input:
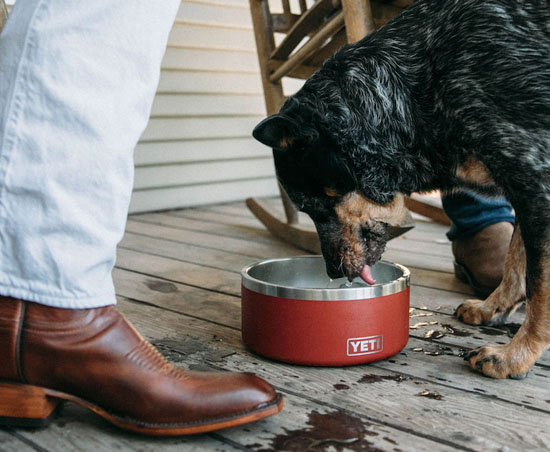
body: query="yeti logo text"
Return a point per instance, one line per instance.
(365, 345)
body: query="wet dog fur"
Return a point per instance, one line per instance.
(450, 94)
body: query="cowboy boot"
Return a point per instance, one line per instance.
(479, 260)
(95, 358)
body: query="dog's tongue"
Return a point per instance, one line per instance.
(366, 275)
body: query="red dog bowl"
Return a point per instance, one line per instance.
(292, 311)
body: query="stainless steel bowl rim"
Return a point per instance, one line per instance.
(328, 294)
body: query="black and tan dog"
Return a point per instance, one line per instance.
(450, 94)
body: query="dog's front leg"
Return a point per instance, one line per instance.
(506, 297)
(533, 338)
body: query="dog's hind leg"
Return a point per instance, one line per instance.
(506, 297)
(533, 338)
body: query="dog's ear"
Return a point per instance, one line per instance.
(281, 132)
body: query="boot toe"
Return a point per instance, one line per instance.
(260, 392)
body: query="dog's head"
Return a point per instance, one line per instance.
(348, 199)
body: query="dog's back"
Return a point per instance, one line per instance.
(444, 79)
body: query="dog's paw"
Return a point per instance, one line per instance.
(474, 312)
(497, 362)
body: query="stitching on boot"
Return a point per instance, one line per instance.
(18, 340)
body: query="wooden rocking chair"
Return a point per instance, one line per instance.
(328, 24)
(3, 14)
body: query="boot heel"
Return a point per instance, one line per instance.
(25, 406)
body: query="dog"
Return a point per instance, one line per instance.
(450, 94)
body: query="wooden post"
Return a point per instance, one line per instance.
(3, 14)
(265, 44)
(358, 19)
(273, 91)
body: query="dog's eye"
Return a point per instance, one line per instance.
(330, 192)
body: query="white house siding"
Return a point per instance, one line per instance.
(197, 148)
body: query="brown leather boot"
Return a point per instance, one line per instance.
(94, 357)
(479, 260)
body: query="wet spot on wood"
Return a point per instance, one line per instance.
(430, 395)
(439, 349)
(176, 350)
(201, 367)
(61, 423)
(161, 286)
(491, 331)
(455, 331)
(460, 436)
(340, 386)
(372, 378)
(167, 350)
(510, 329)
(335, 431)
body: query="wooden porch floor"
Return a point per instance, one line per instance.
(177, 280)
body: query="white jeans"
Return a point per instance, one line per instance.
(77, 81)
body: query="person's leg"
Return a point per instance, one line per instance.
(481, 231)
(77, 80)
(471, 213)
(77, 84)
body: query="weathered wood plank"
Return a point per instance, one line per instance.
(397, 403)
(79, 430)
(308, 425)
(227, 212)
(179, 272)
(187, 252)
(424, 230)
(198, 324)
(395, 253)
(448, 369)
(408, 242)
(159, 258)
(230, 244)
(199, 303)
(422, 277)
(186, 300)
(256, 233)
(14, 441)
